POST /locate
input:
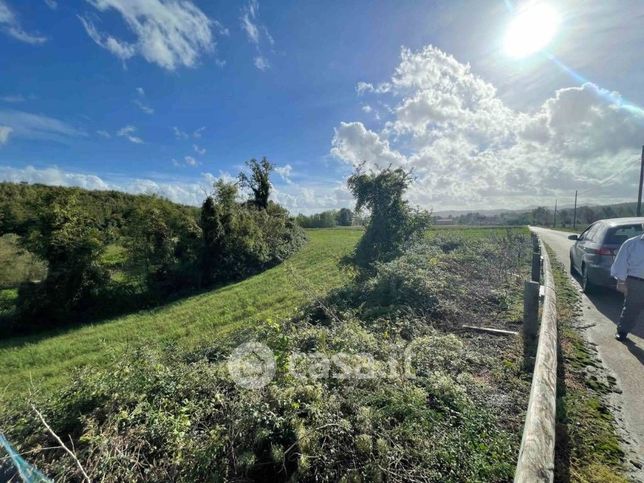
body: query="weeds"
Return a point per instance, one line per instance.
(177, 415)
(587, 447)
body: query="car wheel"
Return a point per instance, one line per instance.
(572, 265)
(586, 284)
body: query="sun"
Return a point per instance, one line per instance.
(532, 29)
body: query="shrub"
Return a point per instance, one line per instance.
(178, 415)
(392, 223)
(240, 239)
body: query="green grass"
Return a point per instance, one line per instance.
(48, 359)
(477, 232)
(587, 446)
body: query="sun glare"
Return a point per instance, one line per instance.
(531, 30)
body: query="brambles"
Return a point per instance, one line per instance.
(177, 415)
(392, 223)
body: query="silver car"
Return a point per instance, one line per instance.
(594, 250)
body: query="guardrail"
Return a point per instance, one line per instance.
(537, 453)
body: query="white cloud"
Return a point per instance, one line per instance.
(198, 150)
(5, 131)
(10, 25)
(168, 33)
(312, 197)
(247, 21)
(52, 4)
(467, 148)
(198, 132)
(127, 132)
(187, 161)
(140, 101)
(122, 50)
(256, 33)
(103, 133)
(354, 143)
(179, 134)
(261, 63)
(13, 99)
(144, 107)
(285, 172)
(37, 126)
(365, 87)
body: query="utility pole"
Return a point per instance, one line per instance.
(554, 222)
(639, 198)
(574, 218)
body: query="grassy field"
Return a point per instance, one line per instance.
(47, 359)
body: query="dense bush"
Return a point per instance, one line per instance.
(108, 252)
(241, 239)
(392, 224)
(178, 415)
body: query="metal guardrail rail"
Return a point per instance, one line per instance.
(537, 453)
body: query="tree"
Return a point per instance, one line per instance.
(345, 217)
(211, 229)
(152, 244)
(392, 223)
(258, 181)
(217, 215)
(541, 216)
(69, 241)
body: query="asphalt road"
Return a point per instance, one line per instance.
(601, 314)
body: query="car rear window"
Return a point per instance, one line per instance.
(617, 236)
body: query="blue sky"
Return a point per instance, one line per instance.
(164, 96)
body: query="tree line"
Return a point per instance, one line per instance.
(542, 216)
(329, 219)
(108, 252)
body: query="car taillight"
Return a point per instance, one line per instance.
(605, 251)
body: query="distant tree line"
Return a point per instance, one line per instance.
(542, 216)
(328, 219)
(108, 252)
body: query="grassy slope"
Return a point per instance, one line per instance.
(190, 322)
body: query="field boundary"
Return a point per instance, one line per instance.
(537, 452)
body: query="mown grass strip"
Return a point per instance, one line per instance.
(587, 447)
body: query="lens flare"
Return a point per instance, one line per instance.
(531, 30)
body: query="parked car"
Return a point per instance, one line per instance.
(594, 250)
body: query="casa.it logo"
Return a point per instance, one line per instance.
(252, 365)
